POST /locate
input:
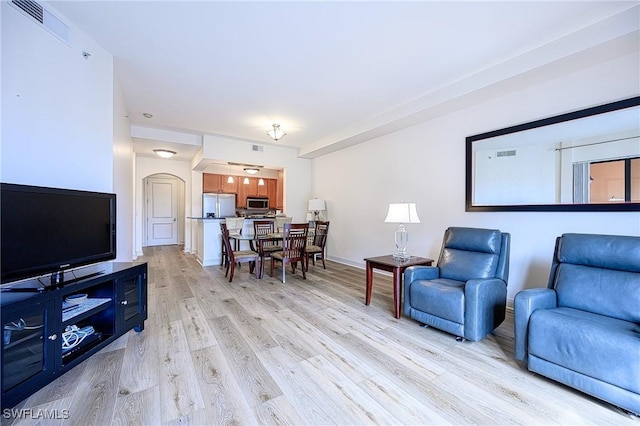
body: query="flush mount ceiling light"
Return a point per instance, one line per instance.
(276, 133)
(251, 170)
(164, 153)
(147, 115)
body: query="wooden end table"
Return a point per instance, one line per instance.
(390, 264)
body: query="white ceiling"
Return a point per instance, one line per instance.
(330, 73)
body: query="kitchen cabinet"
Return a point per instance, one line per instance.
(280, 196)
(246, 190)
(212, 182)
(42, 330)
(263, 190)
(226, 187)
(271, 189)
(272, 192)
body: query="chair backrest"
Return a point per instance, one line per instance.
(320, 236)
(280, 221)
(469, 253)
(598, 273)
(263, 227)
(294, 240)
(234, 224)
(226, 240)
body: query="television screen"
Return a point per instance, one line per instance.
(47, 230)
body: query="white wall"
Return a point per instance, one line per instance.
(123, 167)
(426, 164)
(63, 118)
(57, 107)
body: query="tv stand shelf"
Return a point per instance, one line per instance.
(44, 336)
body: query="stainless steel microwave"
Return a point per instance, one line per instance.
(257, 203)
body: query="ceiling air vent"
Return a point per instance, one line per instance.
(509, 153)
(31, 8)
(45, 18)
(257, 148)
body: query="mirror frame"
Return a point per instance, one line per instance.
(596, 207)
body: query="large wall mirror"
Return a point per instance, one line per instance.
(587, 160)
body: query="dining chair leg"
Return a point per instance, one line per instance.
(284, 272)
(232, 270)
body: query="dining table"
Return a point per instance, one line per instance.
(256, 243)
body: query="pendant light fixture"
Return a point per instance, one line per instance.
(230, 177)
(276, 133)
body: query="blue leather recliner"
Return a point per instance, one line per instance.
(583, 330)
(466, 293)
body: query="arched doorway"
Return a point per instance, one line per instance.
(163, 210)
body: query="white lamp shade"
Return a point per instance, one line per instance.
(402, 213)
(316, 204)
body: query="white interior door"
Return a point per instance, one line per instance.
(162, 211)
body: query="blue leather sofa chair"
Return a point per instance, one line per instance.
(466, 293)
(583, 330)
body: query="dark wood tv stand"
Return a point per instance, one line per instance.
(40, 328)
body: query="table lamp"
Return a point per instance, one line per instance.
(316, 205)
(402, 213)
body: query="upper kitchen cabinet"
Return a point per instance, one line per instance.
(272, 192)
(245, 190)
(280, 192)
(218, 183)
(263, 189)
(210, 182)
(229, 188)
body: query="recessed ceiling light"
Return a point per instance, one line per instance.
(147, 115)
(164, 153)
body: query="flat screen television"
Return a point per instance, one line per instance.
(50, 230)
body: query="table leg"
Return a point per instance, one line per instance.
(397, 285)
(369, 283)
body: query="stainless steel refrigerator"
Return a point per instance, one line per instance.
(221, 205)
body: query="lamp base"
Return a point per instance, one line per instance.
(401, 239)
(402, 256)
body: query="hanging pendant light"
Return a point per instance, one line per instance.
(276, 133)
(230, 178)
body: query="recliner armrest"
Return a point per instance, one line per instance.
(484, 299)
(525, 303)
(413, 273)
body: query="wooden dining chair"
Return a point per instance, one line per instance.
(294, 244)
(316, 249)
(263, 228)
(236, 256)
(234, 225)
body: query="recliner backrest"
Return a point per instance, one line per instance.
(599, 274)
(469, 253)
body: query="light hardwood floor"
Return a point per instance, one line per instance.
(305, 352)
